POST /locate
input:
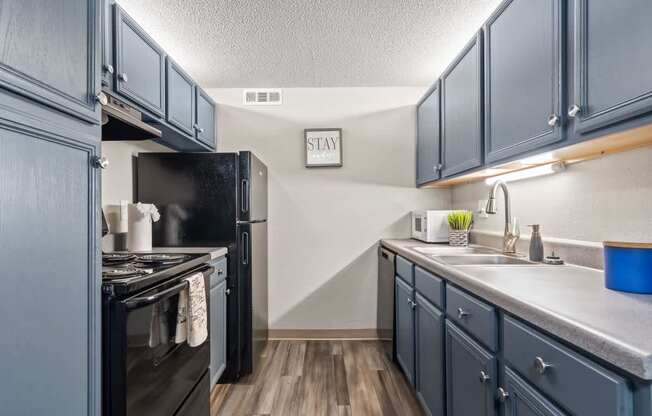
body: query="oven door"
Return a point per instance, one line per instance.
(159, 372)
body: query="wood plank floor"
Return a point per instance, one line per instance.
(312, 378)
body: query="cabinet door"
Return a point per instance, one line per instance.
(523, 83)
(140, 65)
(429, 352)
(612, 80)
(218, 331)
(470, 376)
(405, 328)
(106, 22)
(180, 90)
(50, 297)
(461, 110)
(205, 119)
(49, 53)
(523, 400)
(428, 164)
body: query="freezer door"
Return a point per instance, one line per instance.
(253, 188)
(253, 272)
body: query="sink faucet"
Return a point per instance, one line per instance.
(512, 232)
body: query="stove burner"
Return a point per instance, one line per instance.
(162, 258)
(117, 258)
(121, 273)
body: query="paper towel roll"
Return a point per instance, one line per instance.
(140, 228)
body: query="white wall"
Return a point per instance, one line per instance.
(117, 179)
(324, 224)
(603, 199)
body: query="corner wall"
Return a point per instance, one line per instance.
(324, 223)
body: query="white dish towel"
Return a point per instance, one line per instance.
(192, 317)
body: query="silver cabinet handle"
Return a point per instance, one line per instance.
(413, 304)
(503, 395)
(100, 162)
(220, 271)
(437, 167)
(541, 365)
(101, 98)
(461, 313)
(484, 377)
(574, 110)
(123, 77)
(227, 291)
(553, 120)
(108, 68)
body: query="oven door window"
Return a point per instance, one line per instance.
(160, 371)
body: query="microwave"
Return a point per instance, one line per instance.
(430, 226)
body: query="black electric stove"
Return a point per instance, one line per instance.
(126, 273)
(147, 370)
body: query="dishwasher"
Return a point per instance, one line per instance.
(385, 301)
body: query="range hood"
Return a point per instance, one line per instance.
(120, 121)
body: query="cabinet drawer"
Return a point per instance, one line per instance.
(578, 384)
(430, 286)
(474, 315)
(220, 271)
(405, 269)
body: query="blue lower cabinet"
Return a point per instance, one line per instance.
(50, 238)
(520, 399)
(471, 376)
(429, 354)
(404, 311)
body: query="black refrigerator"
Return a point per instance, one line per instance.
(209, 200)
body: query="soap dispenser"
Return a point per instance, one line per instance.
(536, 244)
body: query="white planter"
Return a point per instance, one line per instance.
(458, 238)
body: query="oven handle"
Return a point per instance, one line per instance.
(148, 300)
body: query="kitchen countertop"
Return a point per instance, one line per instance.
(568, 301)
(215, 252)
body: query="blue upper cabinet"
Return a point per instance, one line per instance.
(612, 80)
(205, 118)
(48, 53)
(428, 137)
(523, 82)
(461, 111)
(139, 65)
(180, 90)
(106, 19)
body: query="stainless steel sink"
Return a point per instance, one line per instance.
(481, 260)
(452, 251)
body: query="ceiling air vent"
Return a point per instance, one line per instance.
(261, 96)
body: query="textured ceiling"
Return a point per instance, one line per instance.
(318, 43)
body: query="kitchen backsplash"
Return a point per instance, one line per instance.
(609, 198)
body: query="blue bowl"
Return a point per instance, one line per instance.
(628, 266)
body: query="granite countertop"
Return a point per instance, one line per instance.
(568, 301)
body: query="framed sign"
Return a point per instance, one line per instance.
(323, 147)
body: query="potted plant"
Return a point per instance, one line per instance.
(459, 224)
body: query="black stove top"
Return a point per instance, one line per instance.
(124, 273)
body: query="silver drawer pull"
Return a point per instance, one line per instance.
(541, 365)
(484, 377)
(461, 313)
(503, 395)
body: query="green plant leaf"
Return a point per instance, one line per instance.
(460, 220)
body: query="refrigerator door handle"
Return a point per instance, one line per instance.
(245, 195)
(244, 243)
